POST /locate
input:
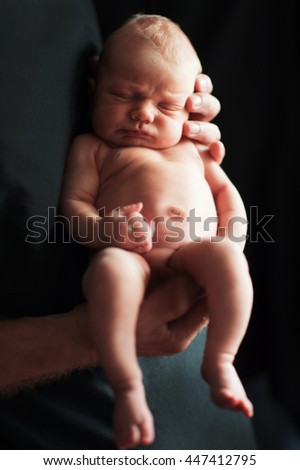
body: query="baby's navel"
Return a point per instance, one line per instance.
(174, 211)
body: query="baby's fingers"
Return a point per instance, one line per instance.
(131, 208)
(138, 226)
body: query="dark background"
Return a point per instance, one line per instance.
(248, 48)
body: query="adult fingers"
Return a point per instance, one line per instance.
(163, 305)
(203, 106)
(217, 151)
(184, 329)
(203, 132)
(203, 83)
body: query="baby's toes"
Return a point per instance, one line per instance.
(127, 437)
(147, 431)
(247, 408)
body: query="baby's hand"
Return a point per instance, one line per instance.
(128, 229)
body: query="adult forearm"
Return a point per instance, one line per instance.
(33, 350)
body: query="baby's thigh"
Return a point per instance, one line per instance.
(207, 260)
(111, 264)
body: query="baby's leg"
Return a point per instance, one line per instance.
(114, 286)
(221, 268)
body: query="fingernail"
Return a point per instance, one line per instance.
(203, 83)
(194, 127)
(197, 101)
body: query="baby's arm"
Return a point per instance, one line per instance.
(232, 217)
(80, 188)
(123, 227)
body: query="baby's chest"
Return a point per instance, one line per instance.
(186, 155)
(128, 159)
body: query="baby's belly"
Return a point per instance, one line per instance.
(177, 201)
(176, 225)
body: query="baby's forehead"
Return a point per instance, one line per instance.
(130, 52)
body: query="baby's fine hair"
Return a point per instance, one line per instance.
(165, 36)
(162, 32)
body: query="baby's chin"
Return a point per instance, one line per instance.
(133, 139)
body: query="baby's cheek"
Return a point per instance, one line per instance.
(172, 136)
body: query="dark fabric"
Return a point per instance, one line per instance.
(75, 413)
(45, 46)
(44, 49)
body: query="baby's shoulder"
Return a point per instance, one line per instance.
(87, 141)
(89, 146)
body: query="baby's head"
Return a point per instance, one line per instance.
(146, 72)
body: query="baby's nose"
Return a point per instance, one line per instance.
(143, 113)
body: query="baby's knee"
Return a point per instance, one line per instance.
(117, 264)
(222, 250)
(101, 263)
(108, 259)
(231, 259)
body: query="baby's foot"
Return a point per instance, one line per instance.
(227, 390)
(133, 421)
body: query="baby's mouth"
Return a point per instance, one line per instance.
(136, 132)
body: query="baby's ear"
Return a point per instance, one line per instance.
(91, 82)
(93, 65)
(92, 74)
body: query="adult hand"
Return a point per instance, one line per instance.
(170, 317)
(203, 107)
